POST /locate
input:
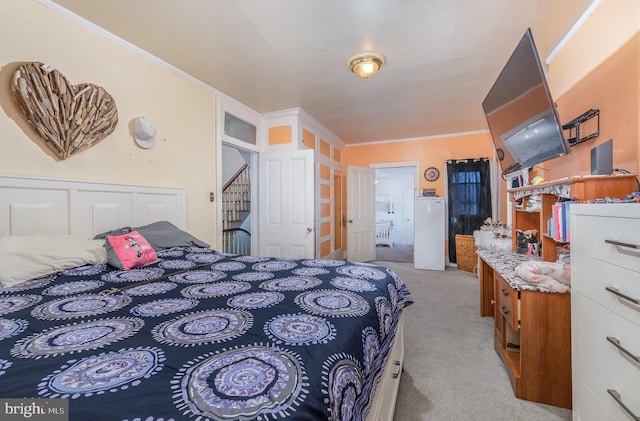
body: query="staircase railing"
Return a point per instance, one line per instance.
(236, 195)
(236, 241)
(236, 205)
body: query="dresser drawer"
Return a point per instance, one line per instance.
(586, 407)
(604, 238)
(600, 375)
(507, 300)
(592, 278)
(603, 329)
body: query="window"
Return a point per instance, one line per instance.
(465, 187)
(469, 186)
(238, 125)
(239, 129)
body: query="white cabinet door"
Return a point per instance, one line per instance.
(286, 204)
(361, 218)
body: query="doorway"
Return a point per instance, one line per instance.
(238, 175)
(395, 192)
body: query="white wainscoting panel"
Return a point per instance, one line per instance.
(49, 206)
(99, 211)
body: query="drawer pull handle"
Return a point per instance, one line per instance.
(504, 292)
(621, 295)
(621, 244)
(505, 310)
(616, 343)
(396, 372)
(616, 396)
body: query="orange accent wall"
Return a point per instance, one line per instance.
(337, 211)
(325, 229)
(280, 135)
(308, 139)
(325, 191)
(325, 148)
(432, 152)
(337, 155)
(325, 172)
(614, 88)
(325, 210)
(325, 248)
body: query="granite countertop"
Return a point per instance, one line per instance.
(505, 262)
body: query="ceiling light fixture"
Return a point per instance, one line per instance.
(365, 65)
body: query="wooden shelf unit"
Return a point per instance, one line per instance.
(539, 323)
(580, 189)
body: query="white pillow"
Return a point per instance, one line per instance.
(24, 257)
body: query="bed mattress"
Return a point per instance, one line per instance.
(203, 335)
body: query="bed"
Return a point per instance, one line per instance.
(197, 334)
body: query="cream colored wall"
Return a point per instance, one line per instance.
(183, 111)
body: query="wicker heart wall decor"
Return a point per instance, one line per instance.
(69, 118)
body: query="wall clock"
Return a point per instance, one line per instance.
(431, 174)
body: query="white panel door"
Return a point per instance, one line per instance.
(361, 218)
(409, 197)
(286, 204)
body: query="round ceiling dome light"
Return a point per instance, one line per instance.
(365, 65)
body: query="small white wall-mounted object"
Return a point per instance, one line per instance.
(143, 132)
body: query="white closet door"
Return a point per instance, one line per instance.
(286, 204)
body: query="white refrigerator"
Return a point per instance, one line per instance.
(428, 246)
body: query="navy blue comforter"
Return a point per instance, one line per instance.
(202, 335)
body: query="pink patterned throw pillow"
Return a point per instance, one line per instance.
(129, 250)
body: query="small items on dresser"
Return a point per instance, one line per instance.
(552, 275)
(526, 239)
(564, 254)
(493, 235)
(534, 204)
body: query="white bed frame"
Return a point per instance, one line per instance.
(31, 205)
(48, 206)
(384, 401)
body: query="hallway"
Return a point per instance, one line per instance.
(397, 253)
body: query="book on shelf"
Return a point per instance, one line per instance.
(566, 213)
(558, 226)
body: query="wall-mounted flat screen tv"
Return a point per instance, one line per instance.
(521, 114)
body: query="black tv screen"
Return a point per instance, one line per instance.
(521, 114)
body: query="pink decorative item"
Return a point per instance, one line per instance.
(131, 250)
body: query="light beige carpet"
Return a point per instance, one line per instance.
(451, 370)
(397, 253)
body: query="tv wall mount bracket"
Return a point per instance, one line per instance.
(574, 127)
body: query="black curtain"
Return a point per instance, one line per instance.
(469, 184)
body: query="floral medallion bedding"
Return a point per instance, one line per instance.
(202, 335)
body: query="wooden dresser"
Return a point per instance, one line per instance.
(605, 311)
(532, 329)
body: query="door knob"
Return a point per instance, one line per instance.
(309, 229)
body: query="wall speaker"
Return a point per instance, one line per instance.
(602, 159)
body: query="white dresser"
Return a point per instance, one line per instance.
(605, 311)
